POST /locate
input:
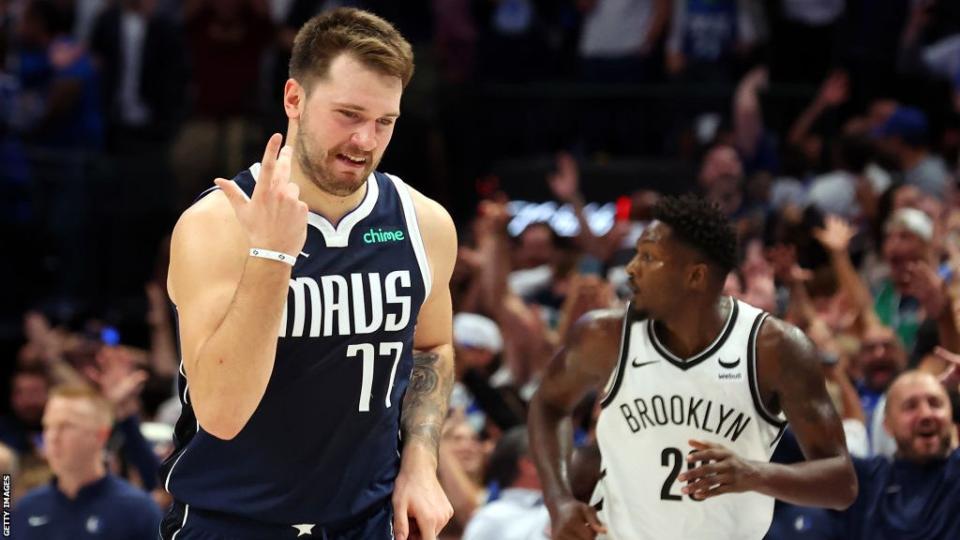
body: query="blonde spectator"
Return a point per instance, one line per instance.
(84, 497)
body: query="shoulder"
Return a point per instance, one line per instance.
(599, 324)
(129, 498)
(212, 209)
(594, 341)
(871, 472)
(434, 221)
(779, 339)
(36, 498)
(205, 239)
(432, 216)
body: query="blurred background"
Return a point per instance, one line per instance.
(828, 130)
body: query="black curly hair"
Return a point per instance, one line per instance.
(700, 225)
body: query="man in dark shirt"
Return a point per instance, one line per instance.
(917, 495)
(84, 500)
(28, 394)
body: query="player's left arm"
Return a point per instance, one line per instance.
(418, 494)
(788, 368)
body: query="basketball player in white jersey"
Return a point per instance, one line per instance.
(696, 391)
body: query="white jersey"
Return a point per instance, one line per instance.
(653, 405)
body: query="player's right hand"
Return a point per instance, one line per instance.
(575, 521)
(274, 218)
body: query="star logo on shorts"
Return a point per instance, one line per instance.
(304, 529)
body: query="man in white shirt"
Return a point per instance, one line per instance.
(518, 513)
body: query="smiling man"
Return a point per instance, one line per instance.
(314, 306)
(917, 495)
(696, 389)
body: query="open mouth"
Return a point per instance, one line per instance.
(352, 160)
(927, 434)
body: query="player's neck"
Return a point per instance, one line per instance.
(70, 483)
(330, 206)
(693, 329)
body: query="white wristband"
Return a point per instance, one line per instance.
(273, 256)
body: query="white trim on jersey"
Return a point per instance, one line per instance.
(186, 512)
(166, 483)
(609, 390)
(339, 236)
(413, 227)
(778, 420)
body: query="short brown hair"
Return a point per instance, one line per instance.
(370, 39)
(82, 391)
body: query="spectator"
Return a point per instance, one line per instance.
(842, 191)
(224, 39)
(708, 38)
(880, 360)
(482, 388)
(917, 495)
(806, 137)
(461, 465)
(143, 71)
(518, 513)
(620, 39)
(60, 102)
(21, 430)
(84, 500)
(904, 135)
(912, 292)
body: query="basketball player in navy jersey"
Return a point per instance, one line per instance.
(315, 318)
(696, 391)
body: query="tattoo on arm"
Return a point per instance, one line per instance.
(425, 404)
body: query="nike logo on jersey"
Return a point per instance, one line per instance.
(634, 363)
(729, 365)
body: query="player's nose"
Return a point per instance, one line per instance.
(365, 137)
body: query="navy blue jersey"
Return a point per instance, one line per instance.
(900, 500)
(323, 444)
(106, 509)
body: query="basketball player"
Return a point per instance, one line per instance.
(694, 402)
(315, 318)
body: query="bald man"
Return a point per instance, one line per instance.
(917, 495)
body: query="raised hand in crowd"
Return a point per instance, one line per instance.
(759, 288)
(48, 346)
(587, 293)
(564, 182)
(835, 89)
(119, 379)
(926, 286)
(835, 235)
(163, 348)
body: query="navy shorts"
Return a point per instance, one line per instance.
(188, 523)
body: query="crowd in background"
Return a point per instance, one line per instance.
(827, 130)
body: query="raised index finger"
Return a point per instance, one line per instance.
(269, 162)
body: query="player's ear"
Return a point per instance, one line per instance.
(294, 98)
(697, 276)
